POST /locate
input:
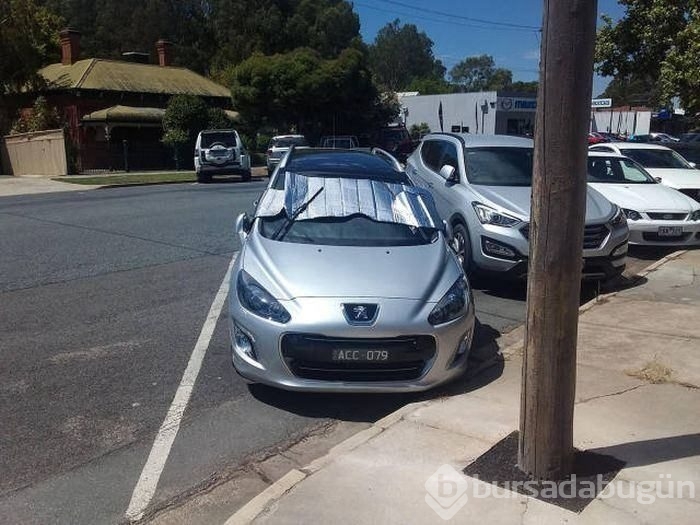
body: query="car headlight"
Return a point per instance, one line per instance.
(453, 305)
(632, 215)
(695, 216)
(257, 300)
(488, 215)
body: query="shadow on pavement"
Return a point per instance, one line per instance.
(652, 253)
(652, 451)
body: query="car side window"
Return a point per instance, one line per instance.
(449, 157)
(431, 153)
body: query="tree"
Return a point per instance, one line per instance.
(430, 86)
(635, 48)
(479, 73)
(632, 91)
(680, 72)
(401, 54)
(418, 131)
(524, 87)
(301, 89)
(28, 41)
(41, 117)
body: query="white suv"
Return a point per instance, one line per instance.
(220, 152)
(482, 186)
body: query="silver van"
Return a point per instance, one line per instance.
(220, 152)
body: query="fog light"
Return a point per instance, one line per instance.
(620, 250)
(497, 249)
(243, 343)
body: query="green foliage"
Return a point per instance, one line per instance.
(305, 91)
(217, 119)
(680, 72)
(185, 117)
(430, 86)
(401, 54)
(28, 40)
(417, 131)
(642, 43)
(479, 73)
(524, 87)
(41, 117)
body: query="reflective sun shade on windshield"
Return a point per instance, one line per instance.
(343, 197)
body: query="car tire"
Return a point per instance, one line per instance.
(462, 246)
(203, 178)
(246, 176)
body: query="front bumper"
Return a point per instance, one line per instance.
(604, 262)
(646, 233)
(323, 317)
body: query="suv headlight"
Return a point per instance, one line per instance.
(488, 215)
(257, 300)
(632, 215)
(453, 305)
(619, 219)
(695, 216)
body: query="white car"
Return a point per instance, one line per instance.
(664, 164)
(278, 148)
(656, 214)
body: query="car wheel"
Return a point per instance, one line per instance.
(203, 178)
(246, 176)
(462, 246)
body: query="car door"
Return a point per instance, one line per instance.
(417, 166)
(450, 191)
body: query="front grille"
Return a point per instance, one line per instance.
(309, 356)
(593, 235)
(692, 193)
(655, 237)
(667, 216)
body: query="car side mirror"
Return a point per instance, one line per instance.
(657, 179)
(447, 227)
(449, 173)
(243, 225)
(693, 165)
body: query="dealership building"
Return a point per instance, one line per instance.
(504, 113)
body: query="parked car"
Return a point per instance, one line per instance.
(396, 140)
(339, 142)
(220, 152)
(653, 137)
(346, 281)
(667, 166)
(656, 214)
(596, 138)
(482, 186)
(280, 145)
(690, 137)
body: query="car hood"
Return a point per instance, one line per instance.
(516, 200)
(646, 197)
(290, 270)
(677, 178)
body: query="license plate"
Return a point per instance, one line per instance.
(360, 355)
(670, 231)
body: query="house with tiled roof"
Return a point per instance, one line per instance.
(114, 108)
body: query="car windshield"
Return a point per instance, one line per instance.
(288, 142)
(226, 138)
(656, 158)
(613, 170)
(355, 230)
(499, 166)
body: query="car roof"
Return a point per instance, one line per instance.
(634, 145)
(476, 140)
(593, 153)
(343, 163)
(288, 137)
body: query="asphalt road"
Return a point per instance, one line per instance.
(103, 294)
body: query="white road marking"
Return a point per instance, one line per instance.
(148, 481)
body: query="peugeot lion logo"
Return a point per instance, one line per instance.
(360, 314)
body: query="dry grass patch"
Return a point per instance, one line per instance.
(654, 372)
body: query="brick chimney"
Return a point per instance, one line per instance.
(70, 46)
(165, 52)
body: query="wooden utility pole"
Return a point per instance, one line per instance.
(556, 238)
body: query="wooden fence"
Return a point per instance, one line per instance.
(41, 153)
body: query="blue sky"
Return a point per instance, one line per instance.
(456, 38)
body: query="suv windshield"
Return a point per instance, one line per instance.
(288, 142)
(355, 230)
(227, 138)
(614, 170)
(494, 166)
(656, 158)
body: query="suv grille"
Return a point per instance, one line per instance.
(309, 356)
(667, 216)
(593, 235)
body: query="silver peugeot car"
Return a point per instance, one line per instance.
(346, 282)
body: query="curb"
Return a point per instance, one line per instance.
(279, 488)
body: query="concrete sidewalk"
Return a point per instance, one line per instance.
(638, 400)
(11, 186)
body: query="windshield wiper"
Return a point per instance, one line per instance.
(284, 228)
